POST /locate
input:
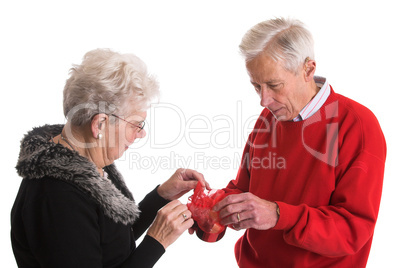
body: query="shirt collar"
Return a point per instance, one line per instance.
(316, 103)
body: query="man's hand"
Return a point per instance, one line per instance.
(246, 210)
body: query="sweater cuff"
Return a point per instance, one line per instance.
(150, 251)
(158, 199)
(290, 214)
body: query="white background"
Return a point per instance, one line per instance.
(192, 46)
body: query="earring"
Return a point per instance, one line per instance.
(99, 136)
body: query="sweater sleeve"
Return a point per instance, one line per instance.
(149, 207)
(242, 182)
(347, 223)
(344, 226)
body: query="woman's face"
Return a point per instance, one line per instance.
(123, 133)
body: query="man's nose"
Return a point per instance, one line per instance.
(266, 97)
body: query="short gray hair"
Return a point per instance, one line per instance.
(282, 39)
(107, 82)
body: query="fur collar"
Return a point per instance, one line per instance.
(39, 157)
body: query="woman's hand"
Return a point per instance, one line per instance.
(243, 211)
(182, 181)
(170, 222)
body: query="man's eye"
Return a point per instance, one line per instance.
(275, 86)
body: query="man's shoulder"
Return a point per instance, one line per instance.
(357, 120)
(348, 108)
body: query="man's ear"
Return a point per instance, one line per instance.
(309, 69)
(98, 124)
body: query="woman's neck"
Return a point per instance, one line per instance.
(80, 140)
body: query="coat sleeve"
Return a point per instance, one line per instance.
(149, 207)
(62, 230)
(149, 250)
(145, 255)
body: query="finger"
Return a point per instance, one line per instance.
(178, 211)
(189, 185)
(207, 186)
(231, 210)
(188, 224)
(176, 215)
(235, 226)
(229, 200)
(243, 225)
(238, 217)
(189, 174)
(171, 205)
(185, 215)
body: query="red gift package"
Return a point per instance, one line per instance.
(207, 222)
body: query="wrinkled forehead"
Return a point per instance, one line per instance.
(263, 69)
(137, 116)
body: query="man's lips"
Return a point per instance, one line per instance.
(276, 110)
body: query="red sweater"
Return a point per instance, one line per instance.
(326, 175)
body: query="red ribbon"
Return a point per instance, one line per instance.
(201, 203)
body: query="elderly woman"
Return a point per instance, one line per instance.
(73, 208)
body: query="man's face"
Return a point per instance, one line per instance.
(282, 92)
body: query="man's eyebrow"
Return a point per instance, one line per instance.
(271, 81)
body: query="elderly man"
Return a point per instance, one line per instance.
(318, 204)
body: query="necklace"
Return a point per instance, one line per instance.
(66, 140)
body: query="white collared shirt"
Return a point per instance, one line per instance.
(316, 103)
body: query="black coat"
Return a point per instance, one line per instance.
(66, 215)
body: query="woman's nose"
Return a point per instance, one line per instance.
(131, 137)
(141, 134)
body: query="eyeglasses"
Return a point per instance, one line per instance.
(139, 125)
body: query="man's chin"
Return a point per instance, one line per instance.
(281, 117)
(279, 114)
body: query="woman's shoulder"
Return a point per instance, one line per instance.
(50, 189)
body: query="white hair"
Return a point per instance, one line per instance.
(285, 40)
(107, 82)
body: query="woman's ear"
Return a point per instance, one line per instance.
(98, 125)
(309, 69)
